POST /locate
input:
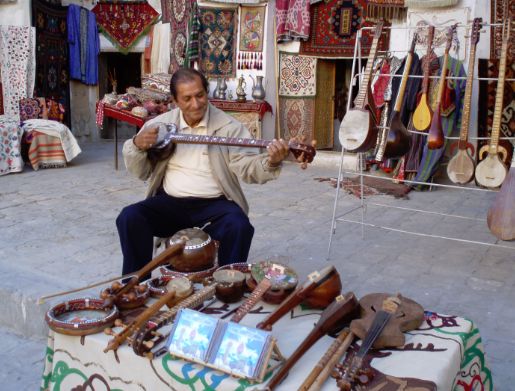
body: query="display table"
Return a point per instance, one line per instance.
(249, 113)
(445, 353)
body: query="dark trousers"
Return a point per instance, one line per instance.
(163, 215)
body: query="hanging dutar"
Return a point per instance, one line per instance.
(250, 60)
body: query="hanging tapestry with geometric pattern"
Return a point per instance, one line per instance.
(296, 118)
(497, 16)
(217, 36)
(252, 28)
(334, 26)
(180, 15)
(297, 75)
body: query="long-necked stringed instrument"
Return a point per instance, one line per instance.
(435, 137)
(397, 141)
(491, 171)
(168, 136)
(358, 130)
(423, 113)
(461, 167)
(501, 215)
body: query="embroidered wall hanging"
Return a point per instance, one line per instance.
(252, 28)
(297, 75)
(180, 14)
(334, 27)
(292, 19)
(497, 16)
(296, 118)
(217, 41)
(52, 61)
(123, 23)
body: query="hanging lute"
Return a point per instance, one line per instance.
(461, 167)
(491, 171)
(358, 130)
(423, 113)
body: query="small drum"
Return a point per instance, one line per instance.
(284, 280)
(81, 316)
(230, 285)
(199, 252)
(136, 297)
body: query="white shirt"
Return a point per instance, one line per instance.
(189, 173)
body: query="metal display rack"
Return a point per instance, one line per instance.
(360, 172)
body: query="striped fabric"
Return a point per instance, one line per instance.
(45, 151)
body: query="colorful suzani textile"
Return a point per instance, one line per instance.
(334, 26)
(180, 14)
(252, 29)
(52, 71)
(10, 145)
(17, 65)
(218, 41)
(297, 75)
(296, 118)
(292, 19)
(124, 22)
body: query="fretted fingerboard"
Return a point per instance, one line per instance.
(251, 301)
(216, 140)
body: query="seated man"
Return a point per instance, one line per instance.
(197, 184)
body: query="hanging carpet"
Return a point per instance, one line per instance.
(297, 75)
(497, 16)
(252, 28)
(52, 63)
(296, 118)
(179, 18)
(217, 37)
(334, 26)
(123, 23)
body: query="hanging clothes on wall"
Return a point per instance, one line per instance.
(292, 20)
(52, 64)
(17, 61)
(160, 57)
(84, 44)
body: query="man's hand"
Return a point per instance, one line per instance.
(278, 150)
(146, 138)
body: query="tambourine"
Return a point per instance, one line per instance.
(81, 316)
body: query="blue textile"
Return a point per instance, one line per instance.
(83, 66)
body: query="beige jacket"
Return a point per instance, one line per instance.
(227, 163)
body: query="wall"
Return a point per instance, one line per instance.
(17, 14)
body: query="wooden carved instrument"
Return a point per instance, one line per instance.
(423, 113)
(340, 311)
(435, 137)
(163, 257)
(147, 333)
(327, 275)
(491, 171)
(303, 153)
(461, 167)
(270, 275)
(358, 130)
(383, 321)
(398, 139)
(501, 215)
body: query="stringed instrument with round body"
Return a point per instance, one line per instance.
(435, 137)
(491, 171)
(384, 319)
(461, 166)
(423, 113)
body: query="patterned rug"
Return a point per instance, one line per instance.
(297, 75)
(252, 28)
(487, 92)
(17, 65)
(371, 186)
(334, 24)
(52, 64)
(497, 16)
(296, 118)
(180, 14)
(218, 41)
(123, 23)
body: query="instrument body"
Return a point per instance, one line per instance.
(435, 137)
(358, 130)
(501, 215)
(423, 113)
(461, 166)
(491, 171)
(199, 251)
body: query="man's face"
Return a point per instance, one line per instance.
(192, 100)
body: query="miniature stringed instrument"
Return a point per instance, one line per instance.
(358, 130)
(423, 113)
(491, 171)
(384, 320)
(436, 138)
(461, 167)
(501, 215)
(398, 139)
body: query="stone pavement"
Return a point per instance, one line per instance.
(58, 233)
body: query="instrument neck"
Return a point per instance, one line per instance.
(380, 321)
(443, 77)
(218, 140)
(465, 119)
(360, 101)
(404, 82)
(425, 82)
